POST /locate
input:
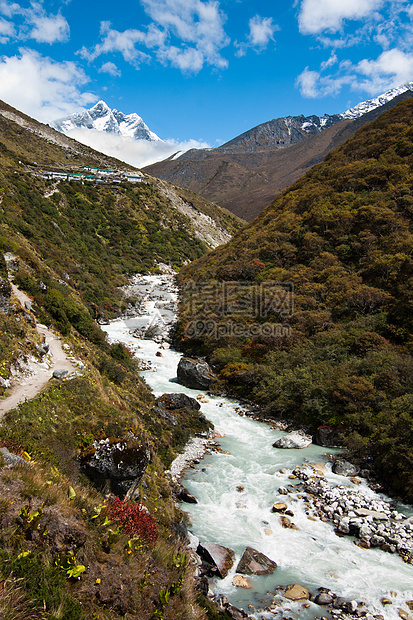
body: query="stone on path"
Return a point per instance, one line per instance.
(60, 373)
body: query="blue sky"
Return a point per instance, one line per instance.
(203, 70)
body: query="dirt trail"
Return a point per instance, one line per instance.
(29, 386)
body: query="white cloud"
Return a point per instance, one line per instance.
(392, 68)
(138, 153)
(34, 23)
(48, 29)
(307, 82)
(6, 30)
(313, 84)
(115, 41)
(261, 31)
(111, 68)
(330, 62)
(184, 33)
(185, 59)
(318, 16)
(41, 87)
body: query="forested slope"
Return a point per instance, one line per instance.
(341, 238)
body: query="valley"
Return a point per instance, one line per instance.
(299, 325)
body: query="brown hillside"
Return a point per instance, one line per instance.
(245, 179)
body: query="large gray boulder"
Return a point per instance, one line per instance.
(177, 401)
(254, 562)
(194, 374)
(344, 468)
(119, 463)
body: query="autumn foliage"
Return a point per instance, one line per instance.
(134, 518)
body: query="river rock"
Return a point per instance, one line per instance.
(279, 507)
(297, 593)
(293, 440)
(177, 401)
(286, 523)
(374, 514)
(194, 374)
(241, 582)
(236, 613)
(185, 496)
(255, 563)
(344, 468)
(324, 598)
(5, 294)
(217, 555)
(119, 462)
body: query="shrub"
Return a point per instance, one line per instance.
(134, 518)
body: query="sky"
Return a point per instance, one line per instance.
(200, 72)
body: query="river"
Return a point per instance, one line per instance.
(237, 487)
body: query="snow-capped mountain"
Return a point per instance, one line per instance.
(102, 118)
(371, 104)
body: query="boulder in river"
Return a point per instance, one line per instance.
(220, 557)
(297, 593)
(325, 597)
(254, 562)
(344, 468)
(241, 582)
(185, 496)
(194, 374)
(293, 440)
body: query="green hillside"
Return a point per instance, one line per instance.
(66, 552)
(342, 238)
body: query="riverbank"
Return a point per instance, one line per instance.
(236, 489)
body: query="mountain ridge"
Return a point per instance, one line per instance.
(246, 174)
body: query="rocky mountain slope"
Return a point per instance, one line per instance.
(102, 118)
(245, 174)
(313, 301)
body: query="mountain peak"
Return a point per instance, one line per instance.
(101, 117)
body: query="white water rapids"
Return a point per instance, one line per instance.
(311, 555)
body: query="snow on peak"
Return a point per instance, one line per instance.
(371, 104)
(102, 118)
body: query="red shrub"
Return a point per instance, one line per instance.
(134, 518)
